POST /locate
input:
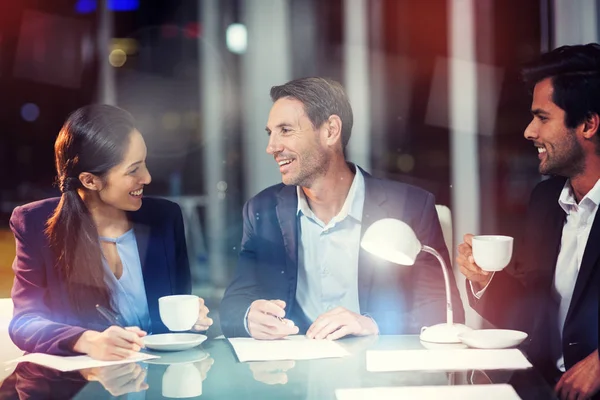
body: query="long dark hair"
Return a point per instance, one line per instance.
(93, 139)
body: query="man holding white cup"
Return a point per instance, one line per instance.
(551, 290)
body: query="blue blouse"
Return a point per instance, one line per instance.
(129, 294)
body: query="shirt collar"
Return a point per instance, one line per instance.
(566, 200)
(353, 205)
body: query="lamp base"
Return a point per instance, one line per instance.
(443, 333)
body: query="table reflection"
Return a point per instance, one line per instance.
(271, 372)
(32, 381)
(212, 371)
(119, 379)
(166, 378)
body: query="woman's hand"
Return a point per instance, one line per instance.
(115, 343)
(203, 322)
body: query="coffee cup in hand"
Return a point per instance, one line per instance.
(492, 252)
(179, 312)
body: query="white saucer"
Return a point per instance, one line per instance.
(492, 338)
(442, 346)
(173, 341)
(178, 357)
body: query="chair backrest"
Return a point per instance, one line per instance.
(445, 217)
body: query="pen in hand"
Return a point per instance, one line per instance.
(108, 315)
(285, 321)
(116, 342)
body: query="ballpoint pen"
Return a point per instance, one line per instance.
(112, 318)
(284, 321)
(109, 315)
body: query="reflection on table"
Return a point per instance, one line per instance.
(213, 372)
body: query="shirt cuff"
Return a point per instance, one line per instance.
(375, 322)
(482, 291)
(246, 321)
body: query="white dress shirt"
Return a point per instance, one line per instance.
(575, 233)
(328, 254)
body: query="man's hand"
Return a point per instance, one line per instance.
(468, 268)
(340, 322)
(118, 379)
(582, 381)
(266, 320)
(203, 322)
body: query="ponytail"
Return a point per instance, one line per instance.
(74, 240)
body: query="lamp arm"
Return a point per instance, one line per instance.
(449, 314)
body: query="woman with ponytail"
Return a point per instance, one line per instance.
(98, 244)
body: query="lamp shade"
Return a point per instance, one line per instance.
(392, 240)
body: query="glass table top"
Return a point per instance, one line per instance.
(212, 371)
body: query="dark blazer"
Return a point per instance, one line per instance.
(400, 299)
(521, 297)
(43, 320)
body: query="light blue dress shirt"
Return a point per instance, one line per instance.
(328, 254)
(129, 293)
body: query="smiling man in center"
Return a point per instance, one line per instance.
(301, 258)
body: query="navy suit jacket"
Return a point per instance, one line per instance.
(400, 299)
(43, 320)
(522, 295)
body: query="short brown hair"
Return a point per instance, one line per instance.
(322, 98)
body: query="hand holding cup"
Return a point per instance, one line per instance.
(479, 256)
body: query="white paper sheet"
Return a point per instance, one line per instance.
(76, 362)
(291, 348)
(463, 392)
(445, 360)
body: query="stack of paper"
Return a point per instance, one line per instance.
(65, 364)
(290, 348)
(463, 392)
(445, 360)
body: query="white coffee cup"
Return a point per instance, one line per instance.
(492, 252)
(179, 312)
(182, 381)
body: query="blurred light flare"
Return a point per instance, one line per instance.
(30, 112)
(117, 58)
(89, 6)
(128, 45)
(192, 30)
(405, 163)
(237, 38)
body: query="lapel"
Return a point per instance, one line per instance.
(287, 206)
(549, 231)
(543, 257)
(142, 237)
(145, 247)
(152, 254)
(588, 263)
(372, 211)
